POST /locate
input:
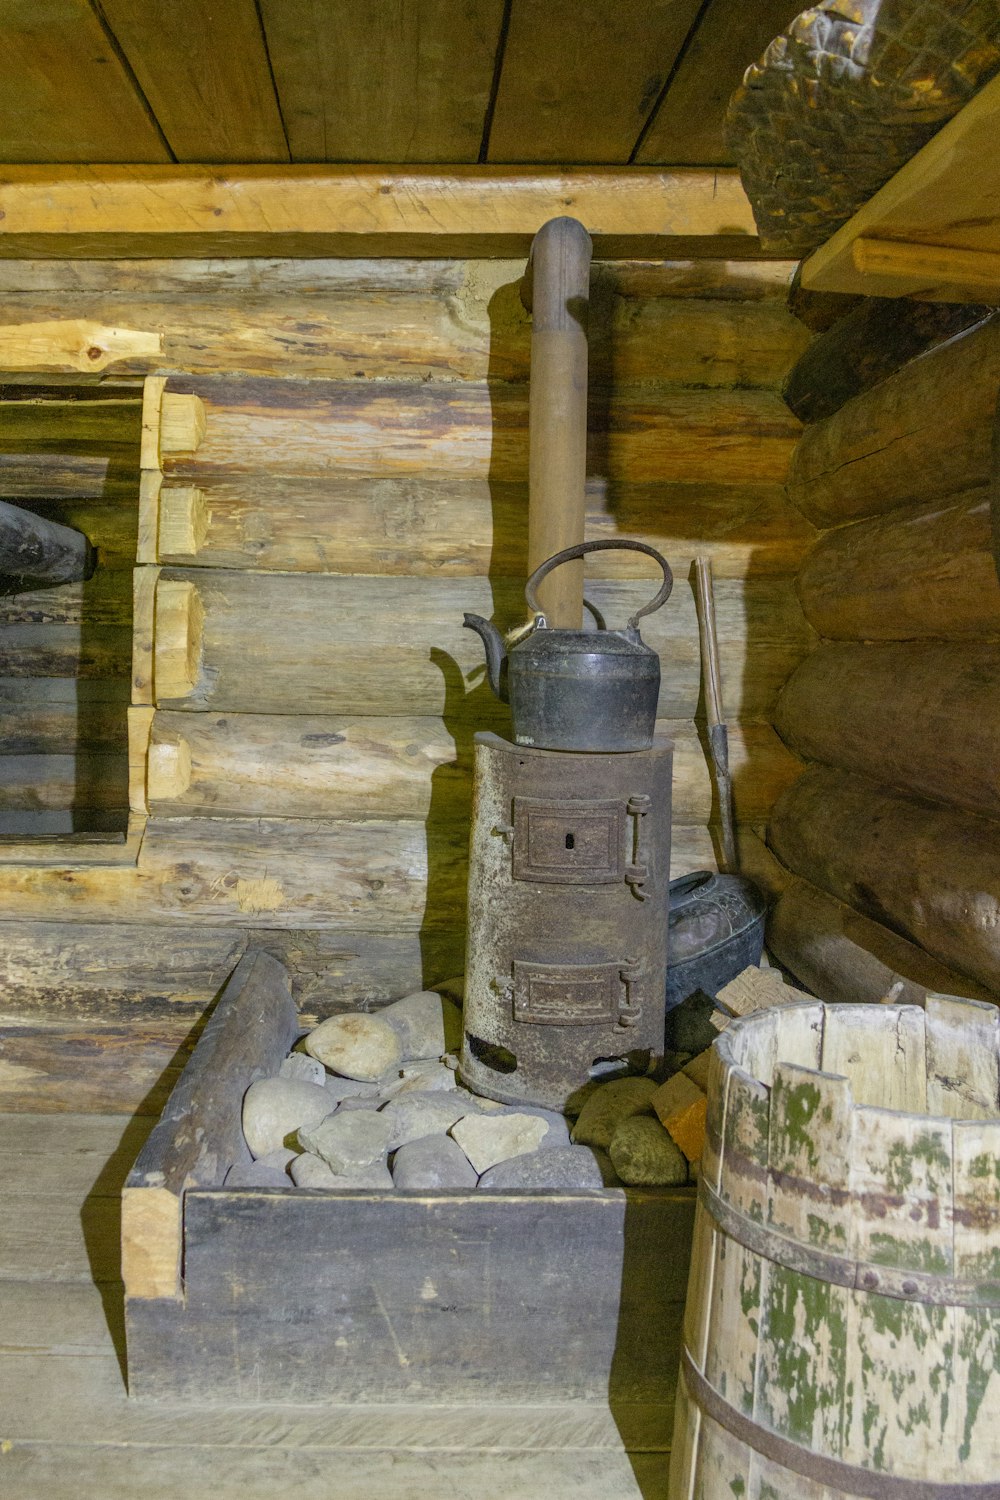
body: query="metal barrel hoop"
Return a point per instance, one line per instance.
(570, 554)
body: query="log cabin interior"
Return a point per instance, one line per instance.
(266, 372)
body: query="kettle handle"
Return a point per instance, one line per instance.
(580, 550)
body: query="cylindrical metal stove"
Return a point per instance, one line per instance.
(568, 898)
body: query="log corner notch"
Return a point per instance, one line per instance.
(35, 553)
(185, 210)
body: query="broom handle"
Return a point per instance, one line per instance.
(718, 734)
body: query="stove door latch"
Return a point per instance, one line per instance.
(630, 1005)
(637, 871)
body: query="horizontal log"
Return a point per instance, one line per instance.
(276, 643)
(452, 528)
(21, 826)
(290, 767)
(930, 873)
(56, 715)
(104, 599)
(87, 779)
(922, 434)
(736, 280)
(65, 650)
(65, 426)
(130, 1069)
(31, 477)
(35, 552)
(927, 570)
(374, 876)
(846, 958)
(920, 716)
(476, 430)
(870, 343)
(479, 330)
(302, 210)
(109, 971)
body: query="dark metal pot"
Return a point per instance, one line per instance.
(716, 930)
(578, 690)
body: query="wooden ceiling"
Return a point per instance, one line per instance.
(559, 82)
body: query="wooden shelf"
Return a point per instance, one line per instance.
(933, 230)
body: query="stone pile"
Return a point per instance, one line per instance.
(372, 1101)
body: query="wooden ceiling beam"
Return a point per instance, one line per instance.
(298, 210)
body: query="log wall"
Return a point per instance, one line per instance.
(892, 830)
(334, 470)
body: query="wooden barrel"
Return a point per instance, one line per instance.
(842, 1330)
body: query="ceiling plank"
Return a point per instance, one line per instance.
(205, 72)
(65, 94)
(580, 77)
(293, 210)
(383, 80)
(688, 126)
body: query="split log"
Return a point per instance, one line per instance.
(847, 958)
(376, 876)
(922, 434)
(450, 528)
(287, 767)
(920, 716)
(930, 873)
(141, 970)
(35, 552)
(276, 643)
(477, 430)
(57, 715)
(927, 570)
(874, 340)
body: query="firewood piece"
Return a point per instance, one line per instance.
(698, 1069)
(922, 434)
(931, 873)
(35, 552)
(755, 989)
(870, 343)
(681, 1108)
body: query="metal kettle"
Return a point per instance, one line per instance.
(578, 689)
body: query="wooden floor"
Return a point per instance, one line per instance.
(69, 1432)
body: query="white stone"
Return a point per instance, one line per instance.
(415, 1115)
(349, 1140)
(557, 1134)
(358, 1046)
(305, 1069)
(434, 1161)
(309, 1171)
(488, 1139)
(275, 1108)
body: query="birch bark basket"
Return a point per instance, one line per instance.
(842, 1333)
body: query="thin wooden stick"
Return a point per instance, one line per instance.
(718, 734)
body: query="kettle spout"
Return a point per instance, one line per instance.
(496, 655)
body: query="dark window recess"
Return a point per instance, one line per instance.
(69, 506)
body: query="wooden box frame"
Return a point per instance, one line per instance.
(291, 1296)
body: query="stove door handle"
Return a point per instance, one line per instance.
(637, 870)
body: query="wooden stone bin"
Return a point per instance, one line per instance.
(275, 1296)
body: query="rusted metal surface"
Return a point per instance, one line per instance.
(568, 896)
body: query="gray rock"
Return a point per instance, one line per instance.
(557, 1134)
(421, 1077)
(275, 1108)
(368, 1101)
(476, 1104)
(340, 1089)
(306, 1069)
(435, 1161)
(644, 1155)
(567, 1167)
(414, 1115)
(609, 1105)
(488, 1139)
(426, 1024)
(268, 1171)
(356, 1046)
(349, 1141)
(309, 1171)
